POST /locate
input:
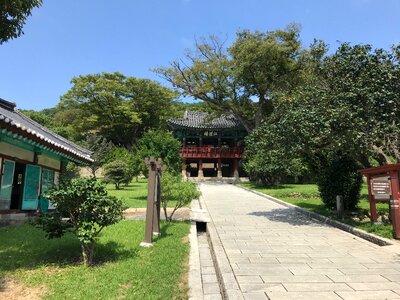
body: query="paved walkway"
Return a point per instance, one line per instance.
(277, 253)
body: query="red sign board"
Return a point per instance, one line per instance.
(381, 188)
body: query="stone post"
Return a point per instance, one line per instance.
(235, 168)
(200, 175)
(184, 168)
(219, 168)
(339, 206)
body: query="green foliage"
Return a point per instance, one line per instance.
(265, 162)
(242, 79)
(71, 171)
(13, 15)
(116, 107)
(100, 148)
(117, 172)
(174, 189)
(89, 209)
(132, 159)
(338, 176)
(160, 144)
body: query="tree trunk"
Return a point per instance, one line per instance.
(87, 253)
(93, 171)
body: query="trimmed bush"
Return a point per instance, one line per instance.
(338, 176)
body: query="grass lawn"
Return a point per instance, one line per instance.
(123, 270)
(133, 195)
(307, 196)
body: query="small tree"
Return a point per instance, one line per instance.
(160, 144)
(174, 189)
(117, 172)
(83, 208)
(100, 148)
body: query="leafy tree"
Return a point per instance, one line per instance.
(160, 144)
(89, 210)
(174, 189)
(131, 158)
(100, 148)
(115, 107)
(242, 79)
(117, 172)
(13, 15)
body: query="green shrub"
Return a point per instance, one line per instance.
(83, 208)
(117, 172)
(174, 189)
(338, 176)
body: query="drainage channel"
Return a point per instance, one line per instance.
(212, 288)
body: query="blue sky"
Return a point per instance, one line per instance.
(67, 38)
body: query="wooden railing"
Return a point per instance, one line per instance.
(211, 152)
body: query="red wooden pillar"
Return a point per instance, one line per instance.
(394, 203)
(201, 168)
(219, 173)
(372, 203)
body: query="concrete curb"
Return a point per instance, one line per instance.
(226, 278)
(350, 229)
(195, 284)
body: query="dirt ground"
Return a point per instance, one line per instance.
(13, 290)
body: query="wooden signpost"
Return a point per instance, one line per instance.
(383, 186)
(153, 200)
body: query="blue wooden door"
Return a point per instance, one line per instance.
(31, 188)
(7, 178)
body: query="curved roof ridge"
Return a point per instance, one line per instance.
(204, 120)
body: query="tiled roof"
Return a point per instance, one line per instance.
(203, 120)
(10, 116)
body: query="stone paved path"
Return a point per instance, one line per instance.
(277, 253)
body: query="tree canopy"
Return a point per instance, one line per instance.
(116, 107)
(13, 15)
(243, 78)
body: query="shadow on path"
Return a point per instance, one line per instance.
(286, 215)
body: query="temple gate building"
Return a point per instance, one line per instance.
(211, 147)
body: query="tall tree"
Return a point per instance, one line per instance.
(117, 107)
(243, 78)
(13, 15)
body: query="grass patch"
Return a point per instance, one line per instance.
(133, 194)
(123, 270)
(307, 196)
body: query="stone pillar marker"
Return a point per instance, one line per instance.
(339, 206)
(219, 167)
(235, 168)
(200, 175)
(184, 168)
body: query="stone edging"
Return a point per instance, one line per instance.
(195, 285)
(350, 229)
(226, 278)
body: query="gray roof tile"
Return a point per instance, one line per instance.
(14, 118)
(203, 120)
